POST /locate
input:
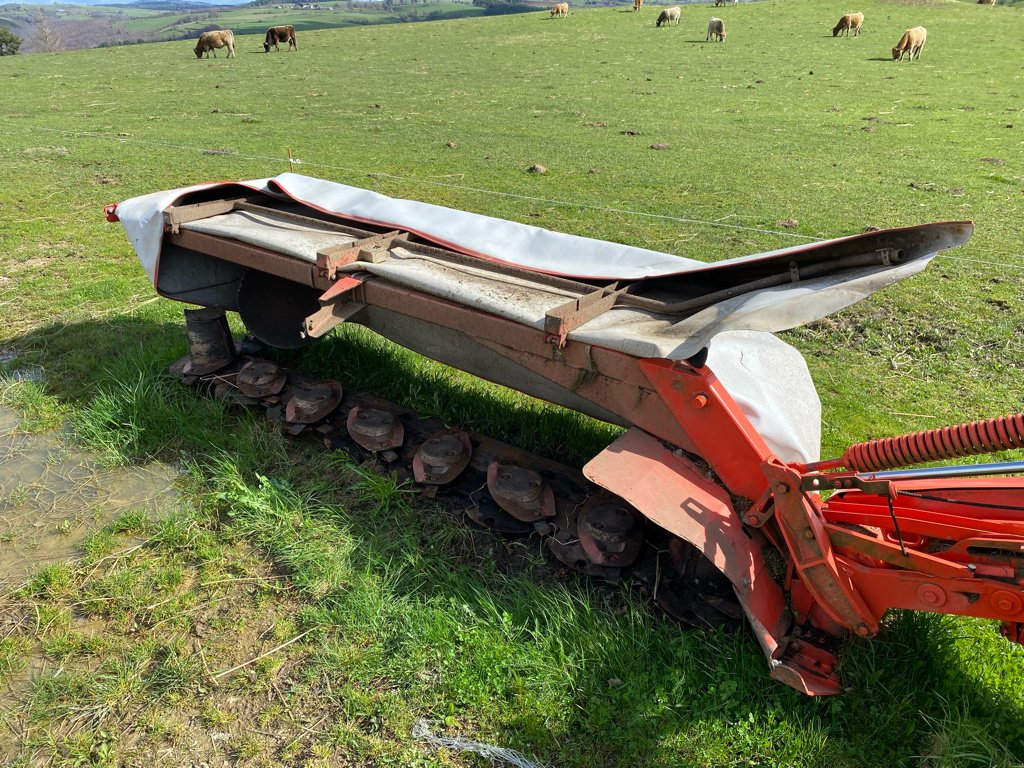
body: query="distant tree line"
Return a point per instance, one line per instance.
(502, 7)
(9, 42)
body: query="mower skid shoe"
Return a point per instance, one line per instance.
(670, 491)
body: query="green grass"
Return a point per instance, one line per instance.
(409, 614)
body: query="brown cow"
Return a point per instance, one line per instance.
(912, 42)
(668, 17)
(281, 34)
(211, 41)
(716, 29)
(637, 4)
(560, 9)
(851, 21)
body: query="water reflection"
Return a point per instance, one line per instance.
(53, 496)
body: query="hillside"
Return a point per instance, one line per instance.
(377, 610)
(59, 27)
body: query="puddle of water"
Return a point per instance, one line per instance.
(53, 496)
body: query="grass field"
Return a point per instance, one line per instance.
(382, 609)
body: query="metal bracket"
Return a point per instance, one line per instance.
(177, 215)
(562, 320)
(338, 303)
(372, 249)
(812, 554)
(837, 481)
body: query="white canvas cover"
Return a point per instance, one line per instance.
(768, 378)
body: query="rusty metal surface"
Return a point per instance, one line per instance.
(520, 491)
(260, 378)
(562, 320)
(328, 260)
(610, 531)
(251, 256)
(375, 429)
(442, 457)
(308, 401)
(209, 340)
(176, 215)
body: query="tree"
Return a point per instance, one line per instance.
(45, 36)
(9, 42)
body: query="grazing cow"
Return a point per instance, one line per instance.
(283, 34)
(851, 21)
(716, 29)
(669, 16)
(912, 42)
(986, 2)
(560, 9)
(637, 4)
(211, 41)
(725, 2)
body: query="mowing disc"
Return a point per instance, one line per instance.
(261, 378)
(442, 457)
(275, 310)
(310, 401)
(520, 491)
(374, 429)
(489, 515)
(566, 548)
(610, 531)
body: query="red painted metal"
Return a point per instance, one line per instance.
(812, 555)
(713, 421)
(675, 494)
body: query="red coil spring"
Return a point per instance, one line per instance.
(985, 436)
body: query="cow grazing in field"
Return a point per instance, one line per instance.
(986, 2)
(725, 2)
(560, 9)
(849, 22)
(716, 29)
(912, 42)
(282, 34)
(211, 41)
(669, 16)
(637, 4)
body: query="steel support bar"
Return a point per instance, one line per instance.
(723, 436)
(884, 588)
(813, 558)
(561, 321)
(610, 379)
(251, 256)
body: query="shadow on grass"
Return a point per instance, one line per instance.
(616, 683)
